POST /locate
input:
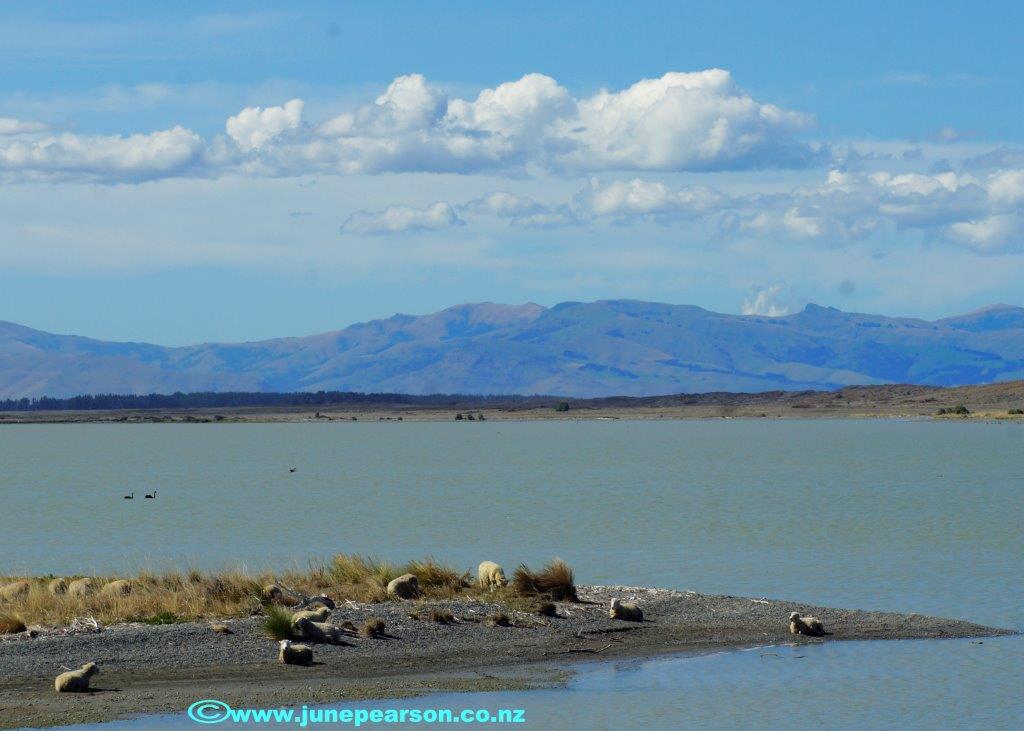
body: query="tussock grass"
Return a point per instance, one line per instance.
(277, 624)
(196, 596)
(555, 582)
(11, 624)
(498, 619)
(372, 627)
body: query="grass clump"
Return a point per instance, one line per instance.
(498, 619)
(372, 627)
(432, 575)
(11, 624)
(352, 569)
(554, 582)
(161, 618)
(442, 616)
(277, 624)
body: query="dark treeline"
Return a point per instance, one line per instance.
(207, 399)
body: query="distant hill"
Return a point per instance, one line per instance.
(602, 348)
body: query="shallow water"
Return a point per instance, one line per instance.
(892, 515)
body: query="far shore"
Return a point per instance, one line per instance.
(998, 401)
(147, 669)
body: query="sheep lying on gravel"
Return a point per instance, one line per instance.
(58, 587)
(291, 654)
(120, 587)
(490, 576)
(76, 681)
(80, 587)
(810, 626)
(627, 611)
(406, 586)
(317, 615)
(306, 629)
(14, 591)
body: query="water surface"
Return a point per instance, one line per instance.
(892, 515)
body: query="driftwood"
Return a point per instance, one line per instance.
(306, 601)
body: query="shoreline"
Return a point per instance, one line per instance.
(147, 669)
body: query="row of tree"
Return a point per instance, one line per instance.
(206, 399)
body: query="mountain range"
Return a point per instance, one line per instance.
(610, 347)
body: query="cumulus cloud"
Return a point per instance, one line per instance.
(990, 235)
(69, 156)
(681, 121)
(641, 198)
(521, 210)
(401, 219)
(766, 302)
(253, 127)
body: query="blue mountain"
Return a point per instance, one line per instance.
(618, 347)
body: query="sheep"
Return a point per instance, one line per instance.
(76, 681)
(58, 587)
(118, 587)
(627, 611)
(14, 591)
(490, 576)
(277, 595)
(810, 626)
(290, 654)
(317, 615)
(80, 587)
(306, 629)
(406, 586)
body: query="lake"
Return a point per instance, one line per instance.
(914, 516)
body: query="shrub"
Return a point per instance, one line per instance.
(1015, 412)
(277, 625)
(554, 582)
(562, 406)
(958, 410)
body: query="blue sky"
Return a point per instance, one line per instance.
(227, 171)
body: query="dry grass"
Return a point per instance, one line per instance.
(11, 624)
(498, 619)
(197, 596)
(372, 627)
(555, 582)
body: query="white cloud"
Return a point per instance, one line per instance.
(680, 121)
(640, 198)
(10, 126)
(401, 219)
(166, 153)
(521, 211)
(766, 302)
(991, 235)
(253, 127)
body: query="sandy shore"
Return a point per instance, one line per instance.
(162, 669)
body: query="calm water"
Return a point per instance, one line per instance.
(912, 516)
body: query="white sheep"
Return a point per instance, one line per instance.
(307, 629)
(80, 587)
(317, 615)
(291, 654)
(14, 591)
(118, 587)
(627, 611)
(406, 586)
(76, 681)
(810, 626)
(490, 575)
